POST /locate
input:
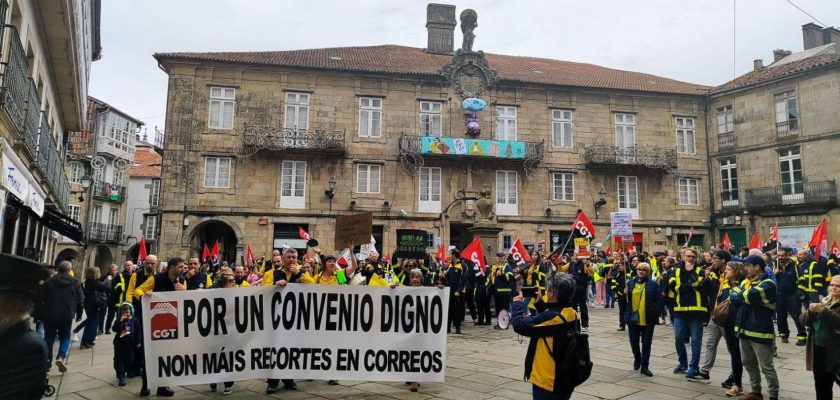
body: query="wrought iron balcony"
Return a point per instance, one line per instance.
(46, 145)
(730, 199)
(104, 233)
(787, 128)
(258, 138)
(106, 191)
(32, 120)
(414, 148)
(15, 81)
(727, 141)
(823, 193)
(615, 156)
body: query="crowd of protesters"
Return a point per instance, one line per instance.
(744, 299)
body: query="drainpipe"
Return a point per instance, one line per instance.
(712, 219)
(85, 256)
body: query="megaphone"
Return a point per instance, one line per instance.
(503, 319)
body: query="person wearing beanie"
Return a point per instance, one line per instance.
(127, 339)
(756, 299)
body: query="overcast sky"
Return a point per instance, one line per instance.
(689, 40)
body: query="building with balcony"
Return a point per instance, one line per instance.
(141, 219)
(259, 144)
(102, 154)
(774, 135)
(46, 48)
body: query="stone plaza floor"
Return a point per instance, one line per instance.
(482, 363)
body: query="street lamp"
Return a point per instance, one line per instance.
(330, 192)
(602, 201)
(85, 181)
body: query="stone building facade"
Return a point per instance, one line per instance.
(46, 48)
(255, 141)
(774, 136)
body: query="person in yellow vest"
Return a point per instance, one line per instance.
(689, 312)
(501, 284)
(119, 287)
(239, 276)
(195, 279)
(285, 270)
(644, 300)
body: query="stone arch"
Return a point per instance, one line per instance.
(207, 230)
(103, 257)
(67, 254)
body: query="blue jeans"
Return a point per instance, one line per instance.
(91, 326)
(645, 333)
(685, 325)
(539, 393)
(63, 330)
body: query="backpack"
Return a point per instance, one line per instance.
(575, 364)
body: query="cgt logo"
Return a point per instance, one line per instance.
(164, 320)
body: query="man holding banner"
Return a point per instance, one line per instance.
(453, 277)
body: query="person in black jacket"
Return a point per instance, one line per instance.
(579, 271)
(453, 277)
(789, 301)
(22, 352)
(63, 298)
(127, 337)
(96, 297)
(619, 284)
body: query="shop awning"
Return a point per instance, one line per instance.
(55, 221)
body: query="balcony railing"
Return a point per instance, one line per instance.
(32, 120)
(106, 191)
(115, 148)
(46, 144)
(649, 157)
(104, 233)
(258, 138)
(15, 81)
(787, 128)
(727, 141)
(809, 193)
(413, 148)
(730, 198)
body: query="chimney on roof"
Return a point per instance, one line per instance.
(440, 24)
(779, 54)
(758, 64)
(812, 35)
(831, 35)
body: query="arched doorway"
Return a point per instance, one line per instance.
(208, 233)
(132, 253)
(104, 258)
(67, 255)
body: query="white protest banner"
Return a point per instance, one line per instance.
(297, 332)
(621, 224)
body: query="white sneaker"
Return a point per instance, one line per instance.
(584, 329)
(75, 337)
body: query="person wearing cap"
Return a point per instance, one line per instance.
(501, 283)
(788, 303)
(454, 278)
(62, 299)
(689, 312)
(714, 279)
(22, 352)
(756, 299)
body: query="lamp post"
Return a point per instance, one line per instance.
(602, 201)
(85, 181)
(330, 192)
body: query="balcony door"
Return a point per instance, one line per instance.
(790, 167)
(293, 185)
(625, 137)
(729, 182)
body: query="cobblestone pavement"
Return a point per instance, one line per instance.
(481, 364)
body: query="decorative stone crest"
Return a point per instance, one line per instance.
(469, 72)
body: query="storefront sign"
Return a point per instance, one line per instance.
(411, 243)
(13, 179)
(35, 202)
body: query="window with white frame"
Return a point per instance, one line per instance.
(154, 193)
(150, 227)
(74, 211)
(507, 193)
(297, 111)
(430, 239)
(507, 242)
(113, 216)
(729, 182)
(370, 117)
(97, 214)
(222, 104)
(787, 113)
(217, 172)
(790, 167)
(725, 120)
(689, 192)
(505, 123)
(430, 189)
(564, 186)
(117, 178)
(685, 135)
(431, 118)
(367, 178)
(293, 184)
(628, 195)
(561, 128)
(122, 132)
(625, 130)
(77, 171)
(99, 174)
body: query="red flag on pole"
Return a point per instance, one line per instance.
(755, 242)
(819, 239)
(302, 233)
(474, 253)
(214, 253)
(725, 242)
(346, 258)
(205, 253)
(583, 226)
(519, 253)
(834, 249)
(141, 251)
(774, 234)
(690, 235)
(631, 248)
(249, 256)
(441, 254)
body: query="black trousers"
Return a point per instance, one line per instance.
(123, 361)
(456, 311)
(469, 299)
(275, 382)
(107, 317)
(823, 381)
(582, 308)
(502, 302)
(482, 302)
(789, 304)
(622, 308)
